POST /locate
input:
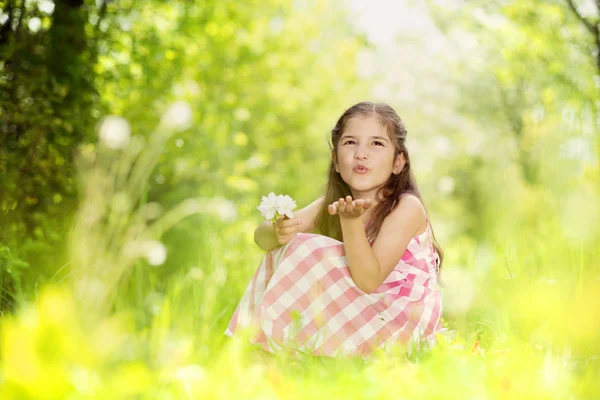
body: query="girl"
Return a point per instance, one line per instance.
(369, 277)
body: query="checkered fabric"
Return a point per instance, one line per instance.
(302, 297)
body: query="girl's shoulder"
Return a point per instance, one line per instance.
(411, 200)
(410, 208)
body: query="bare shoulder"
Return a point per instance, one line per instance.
(410, 213)
(308, 215)
(407, 220)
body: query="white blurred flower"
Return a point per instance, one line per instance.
(285, 205)
(114, 132)
(178, 116)
(156, 253)
(268, 206)
(46, 6)
(152, 250)
(35, 24)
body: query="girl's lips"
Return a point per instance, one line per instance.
(360, 169)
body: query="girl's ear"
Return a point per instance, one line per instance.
(399, 163)
(337, 169)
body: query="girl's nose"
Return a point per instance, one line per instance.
(360, 154)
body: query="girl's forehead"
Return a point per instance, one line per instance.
(364, 126)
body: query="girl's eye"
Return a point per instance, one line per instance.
(348, 142)
(379, 143)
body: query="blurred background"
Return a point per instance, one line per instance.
(137, 138)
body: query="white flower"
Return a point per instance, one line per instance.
(178, 116)
(274, 206)
(152, 250)
(156, 253)
(285, 205)
(268, 206)
(115, 132)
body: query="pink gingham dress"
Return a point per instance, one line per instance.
(302, 298)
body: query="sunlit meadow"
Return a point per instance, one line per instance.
(518, 216)
(522, 311)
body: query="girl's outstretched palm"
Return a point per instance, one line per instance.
(348, 208)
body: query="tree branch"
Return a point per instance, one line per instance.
(20, 21)
(102, 13)
(589, 25)
(6, 28)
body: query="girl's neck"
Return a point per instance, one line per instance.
(371, 196)
(368, 214)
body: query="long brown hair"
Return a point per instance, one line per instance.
(390, 192)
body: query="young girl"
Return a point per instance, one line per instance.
(369, 277)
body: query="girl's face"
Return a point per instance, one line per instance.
(365, 156)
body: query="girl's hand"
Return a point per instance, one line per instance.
(286, 229)
(348, 208)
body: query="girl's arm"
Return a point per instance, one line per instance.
(304, 221)
(370, 266)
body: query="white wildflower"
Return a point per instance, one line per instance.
(152, 250)
(273, 206)
(178, 116)
(156, 253)
(115, 132)
(268, 206)
(285, 205)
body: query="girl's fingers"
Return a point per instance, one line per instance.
(332, 209)
(342, 206)
(350, 207)
(287, 231)
(290, 222)
(348, 202)
(364, 204)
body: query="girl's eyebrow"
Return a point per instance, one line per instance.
(373, 137)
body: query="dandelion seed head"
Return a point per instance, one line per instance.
(114, 132)
(178, 116)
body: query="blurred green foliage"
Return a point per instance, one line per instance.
(504, 140)
(261, 77)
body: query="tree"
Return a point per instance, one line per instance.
(591, 24)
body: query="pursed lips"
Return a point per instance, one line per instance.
(360, 169)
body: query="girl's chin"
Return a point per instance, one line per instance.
(361, 191)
